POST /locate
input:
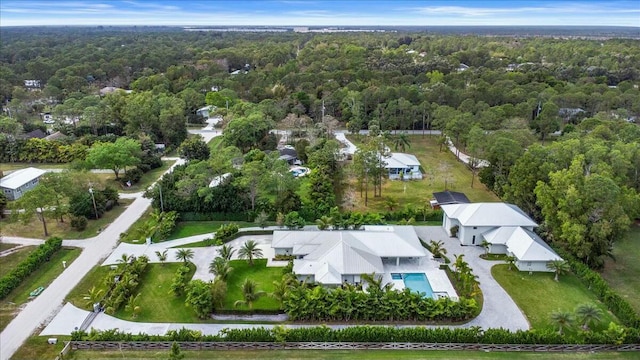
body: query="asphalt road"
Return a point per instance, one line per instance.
(50, 301)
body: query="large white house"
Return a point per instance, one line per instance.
(505, 227)
(333, 257)
(20, 181)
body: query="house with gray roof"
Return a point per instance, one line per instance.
(504, 227)
(19, 182)
(402, 166)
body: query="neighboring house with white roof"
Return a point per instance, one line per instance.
(218, 180)
(334, 257)
(402, 166)
(506, 228)
(19, 182)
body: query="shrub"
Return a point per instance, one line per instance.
(79, 223)
(133, 175)
(41, 255)
(225, 231)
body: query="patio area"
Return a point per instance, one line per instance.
(436, 277)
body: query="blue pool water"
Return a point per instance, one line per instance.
(396, 276)
(418, 282)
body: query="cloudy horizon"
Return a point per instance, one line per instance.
(320, 13)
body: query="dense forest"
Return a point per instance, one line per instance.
(555, 118)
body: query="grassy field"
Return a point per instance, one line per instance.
(6, 246)
(190, 228)
(157, 303)
(7, 263)
(436, 165)
(135, 234)
(18, 165)
(538, 295)
(33, 229)
(263, 276)
(41, 277)
(348, 355)
(215, 144)
(36, 347)
(93, 278)
(623, 274)
(147, 179)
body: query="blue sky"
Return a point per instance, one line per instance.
(317, 12)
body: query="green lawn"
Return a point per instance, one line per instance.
(215, 144)
(34, 229)
(349, 355)
(157, 303)
(41, 277)
(95, 278)
(623, 274)
(147, 179)
(135, 233)
(36, 347)
(190, 228)
(419, 192)
(9, 262)
(263, 276)
(538, 295)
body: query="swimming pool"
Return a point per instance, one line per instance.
(418, 282)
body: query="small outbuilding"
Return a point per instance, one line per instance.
(18, 182)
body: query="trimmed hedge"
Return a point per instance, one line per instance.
(614, 302)
(41, 255)
(364, 334)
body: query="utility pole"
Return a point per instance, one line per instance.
(161, 202)
(95, 208)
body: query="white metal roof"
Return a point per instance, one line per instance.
(528, 246)
(20, 177)
(216, 181)
(499, 236)
(400, 160)
(488, 214)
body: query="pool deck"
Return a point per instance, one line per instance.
(437, 278)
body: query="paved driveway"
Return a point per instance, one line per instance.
(499, 310)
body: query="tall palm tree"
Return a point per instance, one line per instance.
(281, 288)
(250, 251)
(437, 248)
(185, 255)
(162, 256)
(588, 314)
(93, 296)
(226, 252)
(220, 268)
(485, 244)
(250, 294)
(558, 267)
(563, 320)
(401, 141)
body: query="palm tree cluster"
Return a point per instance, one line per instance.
(378, 303)
(125, 288)
(468, 284)
(250, 251)
(220, 265)
(437, 248)
(587, 315)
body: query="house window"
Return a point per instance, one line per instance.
(529, 263)
(475, 228)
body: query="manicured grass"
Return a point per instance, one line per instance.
(95, 277)
(623, 274)
(34, 229)
(419, 192)
(157, 303)
(190, 228)
(349, 355)
(41, 277)
(493, 257)
(538, 295)
(263, 276)
(9, 262)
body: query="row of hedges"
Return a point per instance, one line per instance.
(368, 334)
(36, 150)
(614, 302)
(41, 255)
